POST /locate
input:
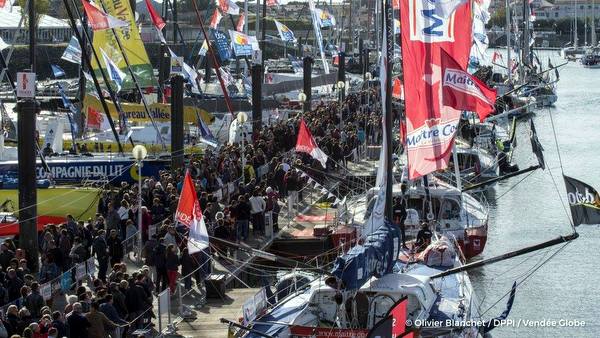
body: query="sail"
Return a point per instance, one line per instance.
(132, 45)
(430, 126)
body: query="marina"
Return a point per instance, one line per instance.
(298, 169)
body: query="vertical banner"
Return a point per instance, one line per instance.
(132, 45)
(222, 45)
(430, 126)
(318, 36)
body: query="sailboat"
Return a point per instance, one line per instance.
(575, 51)
(367, 281)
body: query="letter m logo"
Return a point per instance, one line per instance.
(426, 26)
(435, 23)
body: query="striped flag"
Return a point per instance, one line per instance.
(114, 73)
(228, 7)
(215, 19)
(100, 20)
(157, 21)
(57, 71)
(241, 22)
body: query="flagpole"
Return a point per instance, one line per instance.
(86, 58)
(216, 64)
(134, 77)
(389, 50)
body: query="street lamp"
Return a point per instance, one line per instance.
(302, 100)
(139, 153)
(340, 86)
(241, 119)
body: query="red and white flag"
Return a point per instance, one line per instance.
(228, 7)
(189, 213)
(462, 91)
(398, 89)
(215, 19)
(306, 144)
(272, 3)
(96, 120)
(496, 56)
(157, 21)
(100, 20)
(430, 126)
(241, 22)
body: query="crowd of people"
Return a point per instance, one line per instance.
(237, 202)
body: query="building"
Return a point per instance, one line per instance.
(568, 9)
(50, 29)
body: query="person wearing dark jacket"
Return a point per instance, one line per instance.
(137, 301)
(12, 322)
(115, 248)
(59, 324)
(78, 324)
(100, 250)
(172, 264)
(189, 264)
(13, 285)
(160, 261)
(34, 302)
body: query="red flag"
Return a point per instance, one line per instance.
(272, 3)
(398, 89)
(189, 213)
(157, 21)
(430, 126)
(306, 144)
(100, 20)
(215, 19)
(395, 4)
(398, 313)
(241, 22)
(228, 6)
(462, 91)
(496, 56)
(94, 120)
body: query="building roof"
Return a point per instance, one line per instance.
(10, 19)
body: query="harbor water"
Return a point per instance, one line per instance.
(560, 299)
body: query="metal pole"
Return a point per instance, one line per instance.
(27, 110)
(389, 120)
(177, 150)
(140, 164)
(508, 60)
(243, 129)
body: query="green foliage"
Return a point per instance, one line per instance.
(498, 18)
(41, 8)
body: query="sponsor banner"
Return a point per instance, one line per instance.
(134, 112)
(131, 42)
(222, 44)
(242, 44)
(75, 172)
(430, 126)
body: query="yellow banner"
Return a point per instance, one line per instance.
(134, 112)
(130, 40)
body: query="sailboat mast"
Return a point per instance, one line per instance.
(508, 56)
(575, 37)
(593, 33)
(389, 50)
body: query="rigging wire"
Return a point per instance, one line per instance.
(528, 276)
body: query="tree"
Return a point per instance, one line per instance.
(41, 8)
(499, 18)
